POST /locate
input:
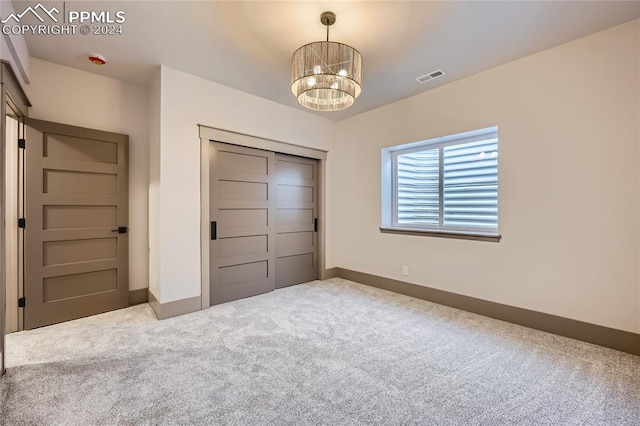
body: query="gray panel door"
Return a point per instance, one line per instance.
(296, 181)
(76, 257)
(242, 223)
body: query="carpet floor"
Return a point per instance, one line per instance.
(332, 353)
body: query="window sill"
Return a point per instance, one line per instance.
(462, 235)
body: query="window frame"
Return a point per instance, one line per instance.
(389, 180)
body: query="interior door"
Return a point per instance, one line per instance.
(296, 181)
(76, 245)
(242, 222)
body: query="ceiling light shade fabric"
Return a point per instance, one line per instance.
(326, 76)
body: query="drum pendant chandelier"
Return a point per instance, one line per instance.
(325, 75)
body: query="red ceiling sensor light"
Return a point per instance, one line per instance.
(97, 59)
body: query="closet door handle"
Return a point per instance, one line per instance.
(214, 231)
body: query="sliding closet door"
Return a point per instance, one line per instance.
(296, 181)
(242, 222)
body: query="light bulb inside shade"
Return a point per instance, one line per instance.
(317, 69)
(342, 73)
(311, 82)
(334, 85)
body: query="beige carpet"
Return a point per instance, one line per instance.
(333, 352)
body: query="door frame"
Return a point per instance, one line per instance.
(13, 235)
(11, 92)
(212, 134)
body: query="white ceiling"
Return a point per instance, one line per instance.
(247, 45)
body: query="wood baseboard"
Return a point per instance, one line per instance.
(329, 273)
(139, 296)
(175, 308)
(620, 340)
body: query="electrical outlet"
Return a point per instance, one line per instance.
(405, 270)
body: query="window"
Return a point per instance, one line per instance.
(447, 185)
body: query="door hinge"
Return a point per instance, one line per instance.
(22, 302)
(22, 143)
(22, 222)
(315, 225)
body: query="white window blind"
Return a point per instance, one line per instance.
(448, 184)
(418, 188)
(470, 190)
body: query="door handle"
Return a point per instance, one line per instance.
(214, 231)
(120, 230)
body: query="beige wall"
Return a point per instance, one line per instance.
(569, 183)
(66, 95)
(187, 101)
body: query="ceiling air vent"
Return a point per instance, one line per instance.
(430, 76)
